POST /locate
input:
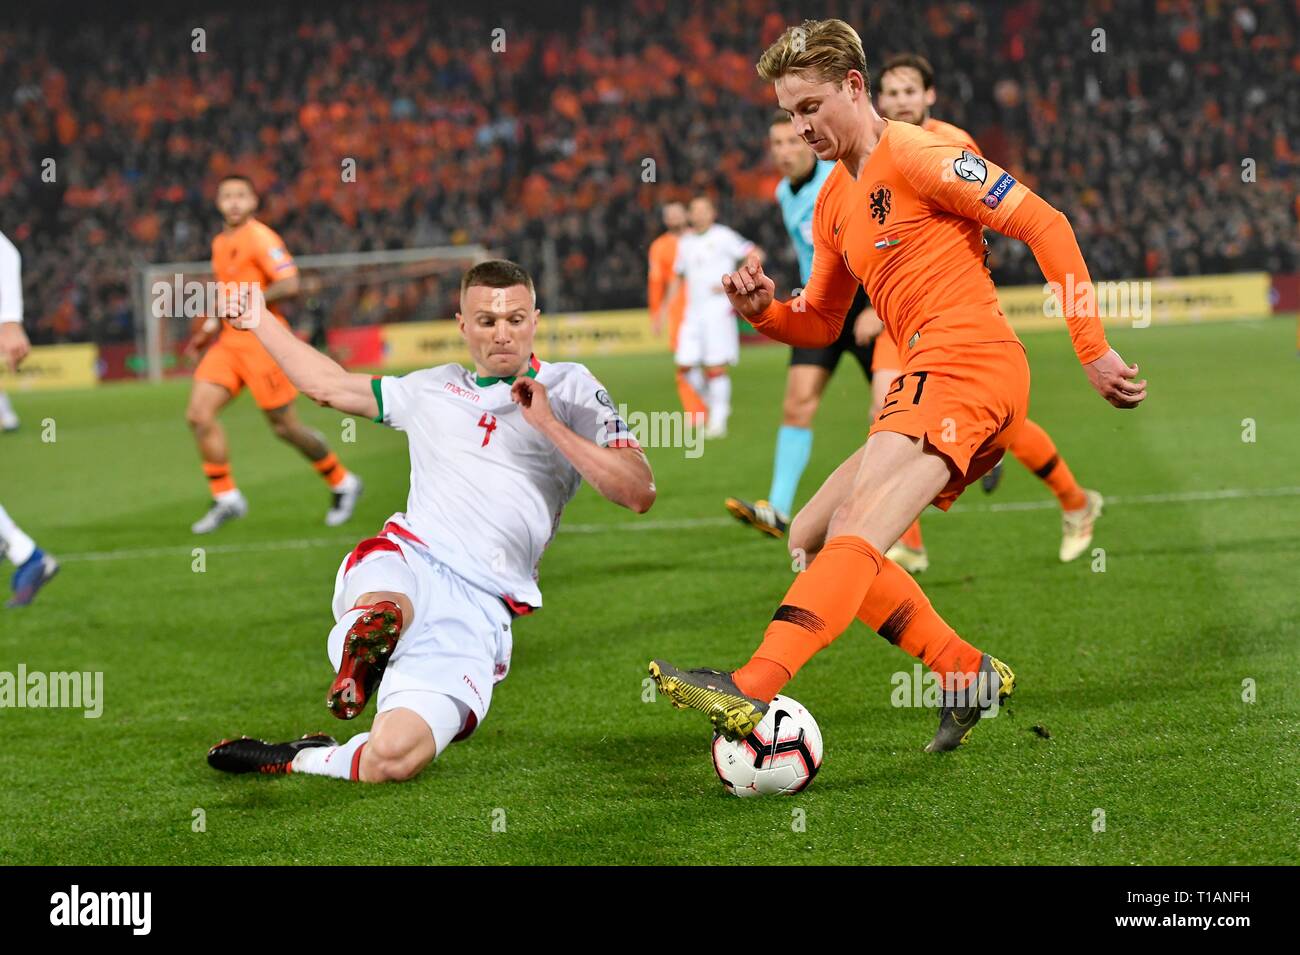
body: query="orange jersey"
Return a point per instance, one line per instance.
(663, 253)
(908, 230)
(254, 252)
(954, 134)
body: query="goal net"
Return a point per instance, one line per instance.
(338, 291)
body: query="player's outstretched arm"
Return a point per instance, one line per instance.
(976, 188)
(317, 376)
(282, 289)
(1050, 237)
(621, 475)
(813, 319)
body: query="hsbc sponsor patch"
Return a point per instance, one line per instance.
(1000, 189)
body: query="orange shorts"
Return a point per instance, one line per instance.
(886, 355)
(232, 368)
(968, 404)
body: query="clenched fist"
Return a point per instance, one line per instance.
(748, 288)
(1114, 380)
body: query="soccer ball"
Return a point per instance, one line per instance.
(781, 756)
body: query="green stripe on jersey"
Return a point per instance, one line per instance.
(377, 387)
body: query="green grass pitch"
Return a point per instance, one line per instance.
(1136, 672)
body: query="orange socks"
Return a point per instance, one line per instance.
(691, 401)
(850, 573)
(818, 607)
(1035, 450)
(897, 609)
(219, 479)
(330, 469)
(912, 536)
(221, 482)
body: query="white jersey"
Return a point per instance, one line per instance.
(11, 282)
(702, 259)
(487, 490)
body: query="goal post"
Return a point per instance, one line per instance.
(338, 289)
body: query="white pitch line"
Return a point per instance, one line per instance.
(677, 524)
(187, 551)
(1175, 497)
(689, 523)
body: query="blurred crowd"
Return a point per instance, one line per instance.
(554, 135)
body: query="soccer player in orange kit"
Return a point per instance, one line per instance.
(901, 215)
(249, 251)
(906, 94)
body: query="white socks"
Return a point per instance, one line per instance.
(695, 378)
(333, 761)
(18, 547)
(7, 417)
(719, 399)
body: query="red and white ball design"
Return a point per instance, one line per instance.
(780, 757)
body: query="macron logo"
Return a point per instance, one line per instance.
(103, 908)
(460, 392)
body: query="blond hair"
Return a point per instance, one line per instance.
(824, 50)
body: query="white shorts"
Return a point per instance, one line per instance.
(457, 645)
(708, 336)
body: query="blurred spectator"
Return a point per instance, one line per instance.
(549, 140)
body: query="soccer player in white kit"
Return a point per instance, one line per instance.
(708, 335)
(424, 609)
(35, 568)
(11, 313)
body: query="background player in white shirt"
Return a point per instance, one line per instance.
(11, 314)
(424, 609)
(709, 335)
(35, 568)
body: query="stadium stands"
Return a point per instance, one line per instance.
(1141, 145)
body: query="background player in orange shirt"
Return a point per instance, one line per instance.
(663, 253)
(247, 250)
(902, 216)
(906, 94)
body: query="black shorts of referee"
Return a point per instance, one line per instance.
(829, 357)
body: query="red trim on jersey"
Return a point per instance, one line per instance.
(371, 545)
(397, 529)
(517, 608)
(375, 544)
